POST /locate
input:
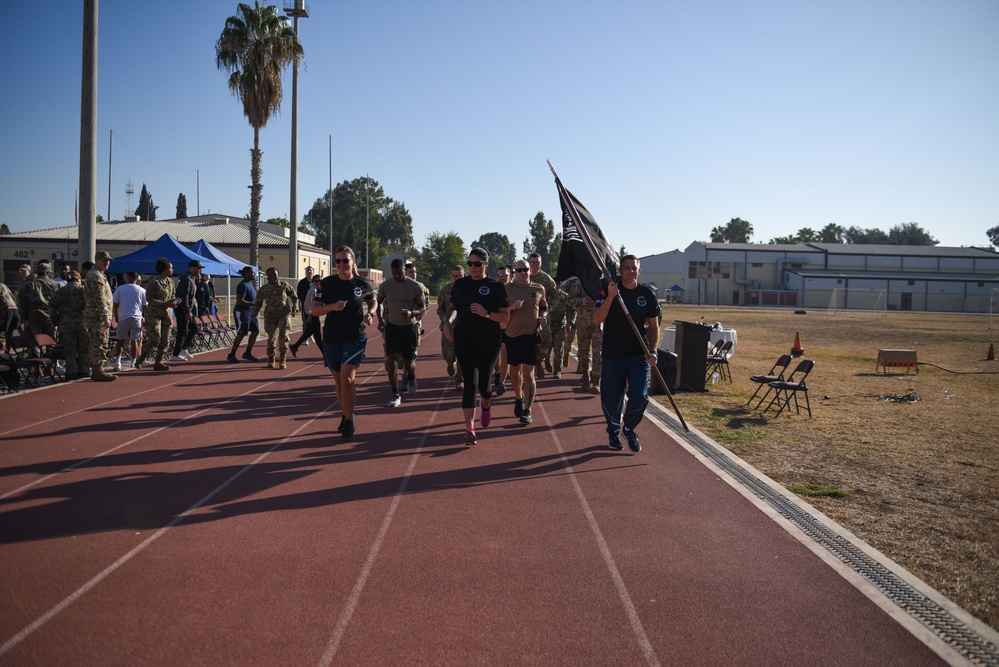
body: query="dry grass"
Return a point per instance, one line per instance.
(921, 480)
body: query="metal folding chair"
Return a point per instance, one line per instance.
(787, 390)
(771, 376)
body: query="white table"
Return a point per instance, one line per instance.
(669, 338)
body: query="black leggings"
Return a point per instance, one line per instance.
(476, 360)
(311, 328)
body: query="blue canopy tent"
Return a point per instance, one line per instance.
(206, 249)
(144, 259)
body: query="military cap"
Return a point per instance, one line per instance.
(25, 267)
(75, 275)
(44, 266)
(102, 254)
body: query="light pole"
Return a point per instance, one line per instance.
(367, 243)
(297, 9)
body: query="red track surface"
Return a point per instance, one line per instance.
(212, 515)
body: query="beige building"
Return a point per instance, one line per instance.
(121, 237)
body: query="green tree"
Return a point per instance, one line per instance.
(806, 235)
(181, 206)
(501, 250)
(4, 229)
(783, 240)
(738, 231)
(438, 255)
(866, 236)
(718, 234)
(280, 222)
(146, 210)
(541, 239)
(832, 233)
(254, 48)
(910, 233)
(993, 235)
(395, 227)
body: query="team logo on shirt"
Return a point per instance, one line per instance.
(641, 301)
(483, 290)
(358, 292)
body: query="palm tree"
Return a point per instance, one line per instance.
(738, 230)
(254, 47)
(807, 235)
(832, 233)
(718, 234)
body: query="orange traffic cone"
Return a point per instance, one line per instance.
(796, 349)
(991, 356)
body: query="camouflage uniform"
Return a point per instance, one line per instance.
(447, 346)
(551, 289)
(587, 334)
(100, 305)
(159, 293)
(33, 303)
(66, 311)
(277, 300)
(559, 314)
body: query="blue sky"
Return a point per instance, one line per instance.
(665, 118)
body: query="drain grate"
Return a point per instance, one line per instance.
(951, 630)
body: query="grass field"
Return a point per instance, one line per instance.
(918, 480)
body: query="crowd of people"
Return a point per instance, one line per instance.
(519, 323)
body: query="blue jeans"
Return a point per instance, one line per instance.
(620, 376)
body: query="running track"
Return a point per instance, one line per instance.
(212, 515)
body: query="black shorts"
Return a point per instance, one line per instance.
(244, 323)
(523, 349)
(402, 339)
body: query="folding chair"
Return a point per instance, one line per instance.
(772, 376)
(23, 360)
(785, 390)
(719, 362)
(227, 332)
(49, 351)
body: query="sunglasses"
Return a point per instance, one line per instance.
(344, 260)
(475, 264)
(521, 270)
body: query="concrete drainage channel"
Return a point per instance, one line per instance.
(954, 632)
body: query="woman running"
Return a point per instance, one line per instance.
(472, 321)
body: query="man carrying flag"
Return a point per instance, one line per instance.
(631, 329)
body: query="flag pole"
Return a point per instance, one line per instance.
(576, 218)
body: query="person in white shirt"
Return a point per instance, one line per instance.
(129, 309)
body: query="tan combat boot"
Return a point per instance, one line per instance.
(97, 374)
(140, 360)
(270, 361)
(158, 365)
(585, 383)
(283, 361)
(595, 384)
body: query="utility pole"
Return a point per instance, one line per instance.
(298, 9)
(87, 238)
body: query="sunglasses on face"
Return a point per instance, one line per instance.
(522, 270)
(342, 260)
(475, 264)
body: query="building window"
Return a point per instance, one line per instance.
(912, 283)
(757, 265)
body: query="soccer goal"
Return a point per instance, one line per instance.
(874, 301)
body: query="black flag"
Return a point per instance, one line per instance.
(575, 259)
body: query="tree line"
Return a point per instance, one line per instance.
(907, 233)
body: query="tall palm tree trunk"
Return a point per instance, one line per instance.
(255, 188)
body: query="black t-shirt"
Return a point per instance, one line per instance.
(343, 326)
(488, 292)
(619, 339)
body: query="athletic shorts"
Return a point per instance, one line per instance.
(244, 323)
(402, 339)
(523, 349)
(350, 353)
(129, 327)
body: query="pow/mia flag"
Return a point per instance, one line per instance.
(575, 258)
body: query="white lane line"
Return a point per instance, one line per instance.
(110, 569)
(622, 591)
(362, 579)
(136, 439)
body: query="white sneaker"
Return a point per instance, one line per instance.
(117, 365)
(177, 358)
(396, 401)
(306, 343)
(187, 355)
